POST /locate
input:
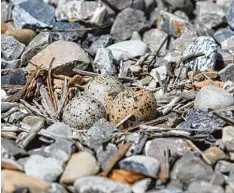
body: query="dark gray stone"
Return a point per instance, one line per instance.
(13, 76)
(33, 14)
(55, 188)
(126, 22)
(67, 36)
(13, 64)
(11, 49)
(224, 166)
(227, 73)
(5, 11)
(119, 5)
(184, 5)
(230, 15)
(222, 34)
(204, 187)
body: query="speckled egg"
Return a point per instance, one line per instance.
(100, 87)
(83, 112)
(137, 101)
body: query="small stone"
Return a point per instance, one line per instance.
(222, 34)
(156, 147)
(27, 14)
(204, 187)
(135, 36)
(13, 76)
(213, 97)
(142, 164)
(206, 45)
(184, 5)
(104, 62)
(81, 164)
(11, 49)
(72, 36)
(102, 42)
(141, 185)
(16, 117)
(228, 45)
(128, 49)
(224, 166)
(3, 97)
(100, 185)
(214, 154)
(55, 188)
(119, 5)
(209, 14)
(181, 14)
(154, 38)
(161, 70)
(228, 138)
(68, 55)
(47, 169)
(13, 64)
(230, 15)
(167, 190)
(31, 121)
(126, 22)
(190, 168)
(230, 180)
(227, 73)
(5, 11)
(225, 4)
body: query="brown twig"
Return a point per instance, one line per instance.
(124, 120)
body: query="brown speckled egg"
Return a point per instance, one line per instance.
(100, 87)
(83, 112)
(137, 101)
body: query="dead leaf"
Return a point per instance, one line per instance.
(208, 83)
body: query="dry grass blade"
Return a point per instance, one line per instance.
(165, 167)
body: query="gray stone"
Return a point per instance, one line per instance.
(135, 36)
(154, 38)
(190, 168)
(227, 73)
(55, 188)
(184, 5)
(222, 34)
(72, 36)
(31, 120)
(230, 15)
(230, 180)
(128, 49)
(101, 132)
(141, 185)
(60, 129)
(102, 42)
(209, 14)
(213, 97)
(5, 11)
(13, 64)
(224, 166)
(6, 106)
(16, 117)
(181, 14)
(47, 169)
(119, 5)
(126, 22)
(100, 185)
(13, 76)
(228, 45)
(206, 45)
(167, 190)
(161, 70)
(142, 164)
(228, 137)
(105, 154)
(204, 187)
(11, 49)
(34, 14)
(156, 147)
(104, 62)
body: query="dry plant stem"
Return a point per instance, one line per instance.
(40, 107)
(195, 148)
(230, 108)
(8, 113)
(123, 120)
(159, 80)
(228, 120)
(116, 157)
(190, 104)
(170, 105)
(161, 45)
(165, 167)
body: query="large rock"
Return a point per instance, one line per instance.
(213, 97)
(128, 49)
(230, 15)
(68, 55)
(33, 14)
(126, 22)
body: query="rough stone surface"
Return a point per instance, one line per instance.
(222, 34)
(230, 15)
(34, 14)
(5, 11)
(204, 44)
(204, 187)
(119, 5)
(13, 76)
(126, 22)
(13, 64)
(55, 188)
(227, 73)
(100, 185)
(102, 42)
(184, 5)
(141, 185)
(228, 45)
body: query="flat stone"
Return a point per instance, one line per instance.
(204, 187)
(224, 166)
(68, 55)
(104, 62)
(209, 14)
(141, 185)
(227, 73)
(222, 34)
(128, 49)
(33, 14)
(126, 22)
(81, 164)
(47, 169)
(190, 168)
(31, 120)
(142, 164)
(154, 38)
(60, 129)
(13, 64)
(214, 154)
(206, 45)
(213, 97)
(6, 11)
(184, 5)
(55, 188)
(228, 45)
(13, 76)
(11, 49)
(230, 15)
(156, 147)
(100, 185)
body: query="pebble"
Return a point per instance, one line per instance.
(100, 185)
(214, 154)
(11, 48)
(181, 14)
(6, 9)
(154, 38)
(3, 97)
(68, 55)
(184, 5)
(46, 169)
(223, 34)
(230, 15)
(141, 185)
(142, 164)
(227, 73)
(135, 36)
(156, 147)
(128, 49)
(81, 164)
(55, 188)
(104, 62)
(13, 76)
(209, 14)
(213, 97)
(204, 187)
(228, 45)
(27, 14)
(126, 22)
(119, 5)
(206, 45)
(13, 64)
(228, 139)
(230, 180)
(32, 120)
(167, 190)
(162, 71)
(224, 166)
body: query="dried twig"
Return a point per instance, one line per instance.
(124, 120)
(228, 120)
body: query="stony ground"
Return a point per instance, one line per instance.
(117, 96)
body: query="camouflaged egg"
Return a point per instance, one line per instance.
(137, 101)
(83, 112)
(100, 87)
